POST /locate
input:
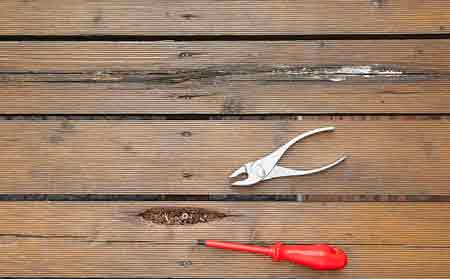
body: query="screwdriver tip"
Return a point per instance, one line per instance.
(201, 242)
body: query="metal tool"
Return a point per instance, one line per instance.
(318, 256)
(266, 167)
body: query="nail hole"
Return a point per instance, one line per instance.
(189, 16)
(184, 263)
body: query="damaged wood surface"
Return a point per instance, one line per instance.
(209, 17)
(179, 215)
(225, 77)
(390, 223)
(111, 240)
(195, 157)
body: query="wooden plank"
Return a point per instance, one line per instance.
(196, 157)
(109, 240)
(62, 258)
(381, 223)
(209, 17)
(231, 77)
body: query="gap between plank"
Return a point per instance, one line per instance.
(188, 117)
(225, 198)
(193, 38)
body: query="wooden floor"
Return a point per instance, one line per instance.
(115, 114)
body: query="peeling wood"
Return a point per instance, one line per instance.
(335, 73)
(226, 77)
(180, 215)
(339, 73)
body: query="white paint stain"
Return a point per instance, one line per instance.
(366, 70)
(354, 70)
(337, 74)
(388, 72)
(337, 78)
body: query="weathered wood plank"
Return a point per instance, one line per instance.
(398, 76)
(381, 223)
(209, 17)
(66, 258)
(109, 240)
(182, 157)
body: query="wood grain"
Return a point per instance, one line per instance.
(225, 77)
(108, 240)
(196, 157)
(209, 17)
(381, 223)
(63, 258)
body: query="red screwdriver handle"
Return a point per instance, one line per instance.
(319, 256)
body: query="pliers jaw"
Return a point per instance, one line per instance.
(247, 169)
(239, 171)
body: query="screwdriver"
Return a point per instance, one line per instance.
(317, 256)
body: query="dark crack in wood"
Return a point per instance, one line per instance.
(17, 235)
(328, 73)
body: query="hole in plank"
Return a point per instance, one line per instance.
(180, 215)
